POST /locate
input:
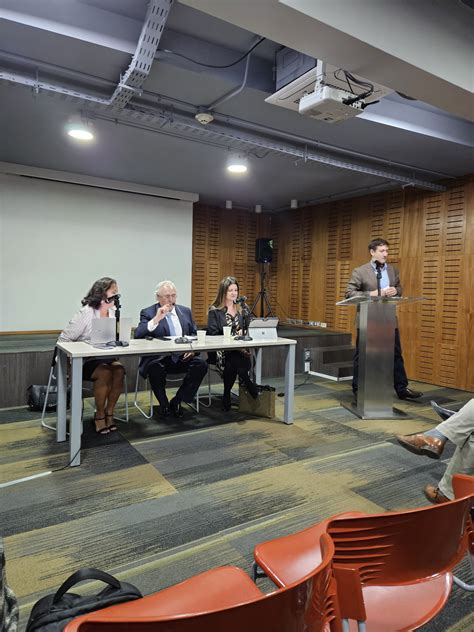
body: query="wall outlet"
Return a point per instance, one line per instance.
(324, 324)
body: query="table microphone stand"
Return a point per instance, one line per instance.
(118, 343)
(246, 315)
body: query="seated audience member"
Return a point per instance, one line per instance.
(106, 373)
(166, 318)
(456, 427)
(9, 613)
(224, 312)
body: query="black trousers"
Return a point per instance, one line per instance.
(195, 370)
(236, 364)
(400, 381)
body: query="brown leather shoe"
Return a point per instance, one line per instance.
(433, 494)
(422, 444)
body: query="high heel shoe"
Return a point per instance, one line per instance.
(109, 422)
(226, 402)
(100, 425)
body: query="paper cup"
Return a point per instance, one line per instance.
(227, 331)
(201, 335)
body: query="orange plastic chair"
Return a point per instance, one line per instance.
(463, 485)
(226, 600)
(393, 570)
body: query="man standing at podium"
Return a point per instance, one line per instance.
(364, 282)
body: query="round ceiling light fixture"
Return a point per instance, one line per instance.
(79, 129)
(237, 163)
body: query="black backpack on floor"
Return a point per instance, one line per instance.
(53, 612)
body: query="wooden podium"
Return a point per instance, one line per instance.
(377, 323)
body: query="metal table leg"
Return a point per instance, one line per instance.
(289, 384)
(76, 412)
(62, 396)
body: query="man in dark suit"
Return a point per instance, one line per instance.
(363, 282)
(166, 318)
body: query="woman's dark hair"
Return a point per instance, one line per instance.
(97, 293)
(224, 285)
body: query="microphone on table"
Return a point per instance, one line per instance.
(240, 301)
(113, 299)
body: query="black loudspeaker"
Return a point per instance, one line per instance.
(263, 250)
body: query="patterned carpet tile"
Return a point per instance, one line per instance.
(66, 496)
(159, 501)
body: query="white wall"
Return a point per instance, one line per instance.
(56, 239)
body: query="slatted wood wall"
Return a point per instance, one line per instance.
(431, 239)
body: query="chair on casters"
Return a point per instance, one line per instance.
(226, 600)
(52, 378)
(463, 485)
(393, 570)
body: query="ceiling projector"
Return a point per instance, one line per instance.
(330, 104)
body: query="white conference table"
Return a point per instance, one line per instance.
(77, 352)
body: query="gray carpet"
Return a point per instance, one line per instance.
(160, 501)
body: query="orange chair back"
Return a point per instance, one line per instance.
(463, 485)
(309, 605)
(402, 547)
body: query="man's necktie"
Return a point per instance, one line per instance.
(174, 356)
(170, 324)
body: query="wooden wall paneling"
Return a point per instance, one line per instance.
(331, 267)
(317, 291)
(296, 270)
(431, 238)
(272, 281)
(343, 316)
(306, 255)
(466, 297)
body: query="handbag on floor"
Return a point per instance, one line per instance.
(53, 612)
(37, 395)
(263, 406)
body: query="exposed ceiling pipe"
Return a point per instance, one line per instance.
(155, 97)
(234, 92)
(220, 132)
(340, 196)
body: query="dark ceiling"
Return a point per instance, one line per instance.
(85, 45)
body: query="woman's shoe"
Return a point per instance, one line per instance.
(100, 425)
(109, 422)
(253, 389)
(226, 402)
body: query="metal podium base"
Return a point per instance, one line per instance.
(395, 413)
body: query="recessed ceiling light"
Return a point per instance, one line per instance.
(237, 163)
(79, 129)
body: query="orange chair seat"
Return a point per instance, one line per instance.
(216, 589)
(404, 608)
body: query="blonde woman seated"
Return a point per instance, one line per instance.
(106, 373)
(224, 312)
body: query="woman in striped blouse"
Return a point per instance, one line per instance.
(107, 374)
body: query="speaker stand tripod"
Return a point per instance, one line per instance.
(262, 296)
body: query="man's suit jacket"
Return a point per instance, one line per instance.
(364, 280)
(162, 330)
